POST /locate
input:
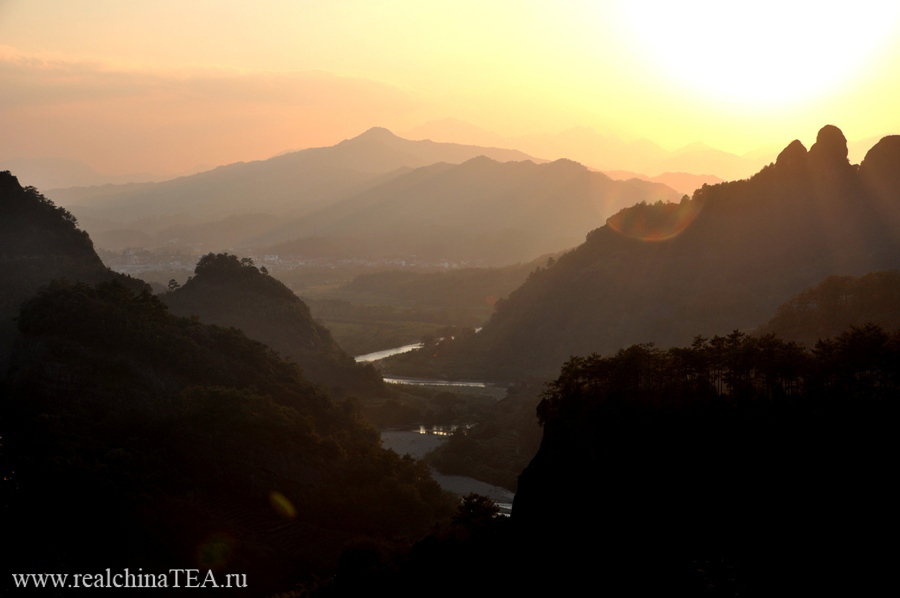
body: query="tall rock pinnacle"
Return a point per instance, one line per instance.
(830, 147)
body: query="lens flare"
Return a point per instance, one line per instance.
(655, 222)
(214, 552)
(282, 505)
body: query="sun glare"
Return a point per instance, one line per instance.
(768, 52)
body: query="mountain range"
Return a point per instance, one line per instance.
(619, 158)
(501, 212)
(376, 194)
(724, 259)
(603, 152)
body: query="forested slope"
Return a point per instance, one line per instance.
(228, 293)
(724, 259)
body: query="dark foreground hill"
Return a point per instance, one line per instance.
(736, 466)
(501, 443)
(38, 243)
(725, 258)
(226, 292)
(134, 438)
(760, 464)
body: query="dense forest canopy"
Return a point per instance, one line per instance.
(228, 291)
(764, 461)
(39, 242)
(169, 434)
(738, 465)
(837, 303)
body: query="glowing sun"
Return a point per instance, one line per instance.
(761, 51)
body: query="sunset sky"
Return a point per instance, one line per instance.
(167, 86)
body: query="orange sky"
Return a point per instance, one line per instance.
(166, 86)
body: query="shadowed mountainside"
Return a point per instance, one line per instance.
(38, 243)
(492, 450)
(181, 444)
(226, 292)
(172, 443)
(736, 466)
(500, 212)
(724, 259)
(837, 303)
(747, 461)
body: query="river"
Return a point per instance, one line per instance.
(435, 382)
(378, 355)
(417, 443)
(370, 357)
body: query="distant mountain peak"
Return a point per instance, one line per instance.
(793, 156)
(567, 164)
(830, 146)
(479, 161)
(378, 133)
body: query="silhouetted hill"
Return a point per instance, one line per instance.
(481, 209)
(727, 257)
(736, 466)
(837, 303)
(226, 292)
(38, 243)
(748, 463)
(134, 438)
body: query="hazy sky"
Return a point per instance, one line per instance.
(167, 85)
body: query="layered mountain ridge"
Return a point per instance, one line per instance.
(376, 195)
(724, 259)
(501, 212)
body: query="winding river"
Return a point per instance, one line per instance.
(417, 443)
